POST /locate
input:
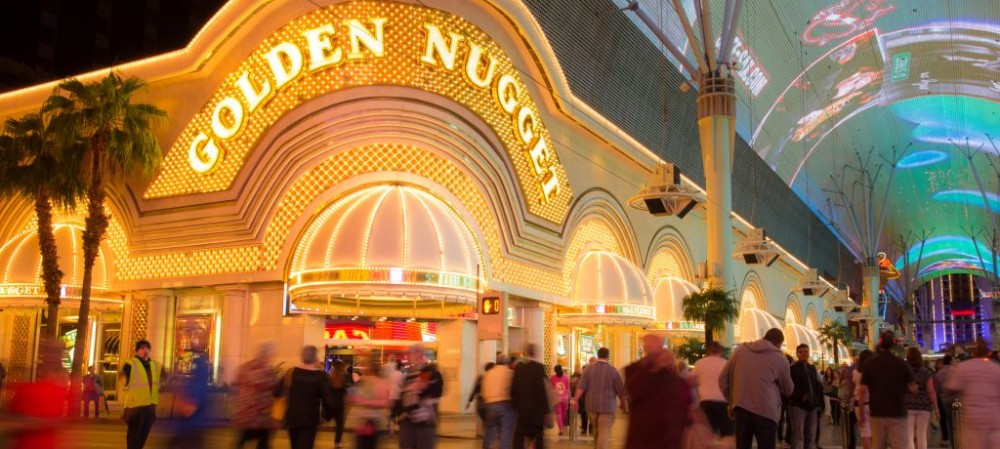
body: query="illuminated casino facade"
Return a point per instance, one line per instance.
(358, 176)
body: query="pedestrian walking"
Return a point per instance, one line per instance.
(191, 403)
(862, 407)
(806, 398)
(600, 385)
(560, 382)
(530, 398)
(395, 377)
(753, 382)
(711, 400)
(35, 415)
(831, 389)
(846, 389)
(500, 415)
(141, 376)
(581, 407)
(920, 405)
(254, 399)
(477, 394)
(885, 381)
(945, 398)
(977, 382)
(370, 398)
(308, 394)
(422, 390)
(340, 377)
(93, 389)
(659, 399)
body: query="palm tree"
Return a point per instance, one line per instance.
(33, 166)
(832, 333)
(119, 144)
(713, 306)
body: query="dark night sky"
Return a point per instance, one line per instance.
(43, 40)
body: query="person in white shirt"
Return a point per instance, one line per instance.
(977, 380)
(710, 397)
(500, 415)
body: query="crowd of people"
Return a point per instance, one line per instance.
(759, 395)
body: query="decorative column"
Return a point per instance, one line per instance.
(621, 352)
(159, 330)
(717, 132)
(534, 329)
(869, 293)
(234, 302)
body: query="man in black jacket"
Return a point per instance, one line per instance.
(806, 399)
(530, 398)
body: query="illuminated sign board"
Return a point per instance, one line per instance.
(623, 310)
(490, 305)
(370, 44)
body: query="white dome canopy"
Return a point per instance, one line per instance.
(796, 334)
(668, 297)
(387, 242)
(609, 288)
(754, 323)
(21, 283)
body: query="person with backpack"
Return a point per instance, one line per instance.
(93, 389)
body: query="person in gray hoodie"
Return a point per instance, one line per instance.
(753, 382)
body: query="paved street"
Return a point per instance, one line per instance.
(456, 432)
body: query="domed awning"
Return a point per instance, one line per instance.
(668, 297)
(843, 353)
(754, 323)
(608, 289)
(21, 261)
(387, 250)
(797, 334)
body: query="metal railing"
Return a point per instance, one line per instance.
(956, 425)
(574, 428)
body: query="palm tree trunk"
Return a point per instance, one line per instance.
(51, 276)
(836, 354)
(96, 225)
(708, 335)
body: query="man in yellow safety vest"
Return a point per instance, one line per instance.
(142, 393)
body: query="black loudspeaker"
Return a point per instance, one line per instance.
(751, 259)
(687, 208)
(808, 291)
(656, 206)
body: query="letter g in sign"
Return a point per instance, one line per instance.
(204, 155)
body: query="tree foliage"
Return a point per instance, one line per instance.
(120, 143)
(713, 306)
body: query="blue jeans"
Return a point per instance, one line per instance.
(803, 427)
(500, 418)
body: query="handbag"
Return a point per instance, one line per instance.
(280, 405)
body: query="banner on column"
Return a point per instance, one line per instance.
(193, 340)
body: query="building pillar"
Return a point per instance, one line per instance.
(534, 330)
(234, 305)
(622, 349)
(717, 133)
(456, 344)
(160, 326)
(870, 300)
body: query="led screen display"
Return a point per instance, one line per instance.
(918, 83)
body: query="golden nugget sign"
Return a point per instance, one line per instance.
(366, 44)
